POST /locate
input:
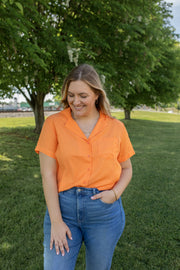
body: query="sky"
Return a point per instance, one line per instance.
(175, 22)
(176, 15)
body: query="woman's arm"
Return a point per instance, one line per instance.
(58, 228)
(109, 196)
(125, 178)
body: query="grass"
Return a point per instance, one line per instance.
(150, 239)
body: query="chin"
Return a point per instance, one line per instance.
(79, 112)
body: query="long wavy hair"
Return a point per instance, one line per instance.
(87, 74)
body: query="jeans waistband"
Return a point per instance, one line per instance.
(81, 190)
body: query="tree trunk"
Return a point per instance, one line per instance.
(38, 109)
(127, 114)
(39, 117)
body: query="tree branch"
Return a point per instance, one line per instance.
(22, 92)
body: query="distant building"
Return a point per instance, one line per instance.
(24, 106)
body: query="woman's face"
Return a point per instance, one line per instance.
(81, 99)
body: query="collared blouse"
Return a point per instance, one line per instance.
(93, 162)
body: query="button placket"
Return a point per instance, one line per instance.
(89, 168)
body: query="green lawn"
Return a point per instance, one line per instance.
(151, 202)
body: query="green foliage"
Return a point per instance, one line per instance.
(147, 56)
(150, 238)
(129, 42)
(165, 79)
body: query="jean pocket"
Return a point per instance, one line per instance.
(106, 204)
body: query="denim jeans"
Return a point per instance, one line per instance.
(98, 224)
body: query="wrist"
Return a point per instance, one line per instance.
(56, 220)
(115, 195)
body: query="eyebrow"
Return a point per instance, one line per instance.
(78, 93)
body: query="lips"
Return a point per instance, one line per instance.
(78, 108)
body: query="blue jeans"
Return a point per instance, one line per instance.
(98, 224)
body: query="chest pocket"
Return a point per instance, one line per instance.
(107, 147)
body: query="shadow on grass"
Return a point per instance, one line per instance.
(150, 237)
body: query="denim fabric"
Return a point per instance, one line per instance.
(98, 224)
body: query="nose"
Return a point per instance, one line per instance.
(76, 101)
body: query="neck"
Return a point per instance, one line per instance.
(93, 116)
(87, 124)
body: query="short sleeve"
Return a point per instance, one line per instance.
(126, 148)
(47, 142)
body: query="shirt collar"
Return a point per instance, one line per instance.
(73, 126)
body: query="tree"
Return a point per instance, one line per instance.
(36, 54)
(144, 56)
(45, 43)
(165, 79)
(123, 39)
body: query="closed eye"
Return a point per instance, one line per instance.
(70, 95)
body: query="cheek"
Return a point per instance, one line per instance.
(93, 102)
(69, 100)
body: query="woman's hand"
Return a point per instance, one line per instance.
(59, 230)
(106, 196)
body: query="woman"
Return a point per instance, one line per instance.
(85, 167)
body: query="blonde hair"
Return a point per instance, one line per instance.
(87, 74)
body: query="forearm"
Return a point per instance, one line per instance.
(51, 197)
(123, 182)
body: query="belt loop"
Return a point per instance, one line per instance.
(94, 191)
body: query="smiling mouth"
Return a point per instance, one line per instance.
(78, 108)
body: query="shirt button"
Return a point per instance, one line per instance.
(88, 155)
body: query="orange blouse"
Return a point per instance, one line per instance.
(81, 162)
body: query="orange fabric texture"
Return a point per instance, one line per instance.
(91, 163)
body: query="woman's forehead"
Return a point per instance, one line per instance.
(79, 86)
